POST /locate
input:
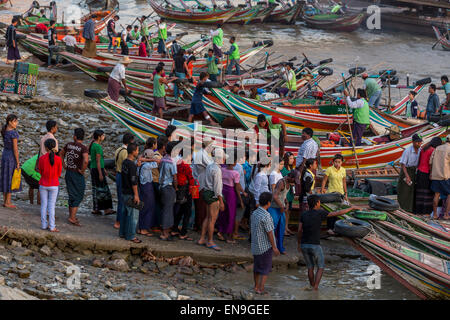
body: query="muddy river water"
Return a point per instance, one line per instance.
(407, 53)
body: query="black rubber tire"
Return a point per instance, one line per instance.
(122, 92)
(354, 71)
(96, 94)
(21, 36)
(435, 118)
(240, 5)
(329, 60)
(383, 204)
(110, 164)
(169, 34)
(352, 228)
(213, 84)
(104, 69)
(393, 80)
(330, 197)
(325, 71)
(423, 81)
(384, 72)
(445, 122)
(267, 43)
(311, 66)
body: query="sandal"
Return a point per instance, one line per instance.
(147, 234)
(165, 239)
(186, 238)
(220, 236)
(107, 213)
(214, 247)
(10, 206)
(201, 244)
(136, 240)
(75, 223)
(54, 230)
(231, 241)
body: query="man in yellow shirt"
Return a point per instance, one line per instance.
(337, 182)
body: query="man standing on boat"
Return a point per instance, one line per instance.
(433, 101)
(291, 80)
(233, 56)
(407, 179)
(90, 47)
(446, 88)
(373, 90)
(361, 117)
(162, 37)
(274, 127)
(111, 28)
(117, 77)
(217, 38)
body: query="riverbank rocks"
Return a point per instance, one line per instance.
(118, 265)
(46, 250)
(98, 263)
(118, 287)
(7, 293)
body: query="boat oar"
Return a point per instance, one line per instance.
(349, 125)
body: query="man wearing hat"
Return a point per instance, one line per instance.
(278, 207)
(373, 90)
(440, 177)
(117, 77)
(407, 179)
(70, 41)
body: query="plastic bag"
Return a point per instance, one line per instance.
(15, 182)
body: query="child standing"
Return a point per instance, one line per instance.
(262, 242)
(411, 105)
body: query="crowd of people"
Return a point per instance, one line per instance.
(424, 180)
(162, 188)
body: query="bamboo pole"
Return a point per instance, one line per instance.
(350, 127)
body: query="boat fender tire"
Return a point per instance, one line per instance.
(355, 71)
(393, 80)
(330, 197)
(329, 60)
(384, 72)
(104, 69)
(370, 215)
(352, 228)
(435, 118)
(122, 92)
(444, 122)
(311, 66)
(424, 81)
(20, 36)
(241, 5)
(384, 204)
(325, 71)
(94, 93)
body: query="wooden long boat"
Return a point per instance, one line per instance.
(140, 67)
(424, 274)
(442, 39)
(193, 16)
(377, 155)
(62, 28)
(344, 23)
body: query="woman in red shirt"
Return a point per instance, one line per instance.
(183, 206)
(143, 48)
(50, 167)
(424, 195)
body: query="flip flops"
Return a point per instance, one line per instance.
(75, 223)
(214, 247)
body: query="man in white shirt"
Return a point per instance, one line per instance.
(308, 149)
(201, 159)
(116, 78)
(70, 41)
